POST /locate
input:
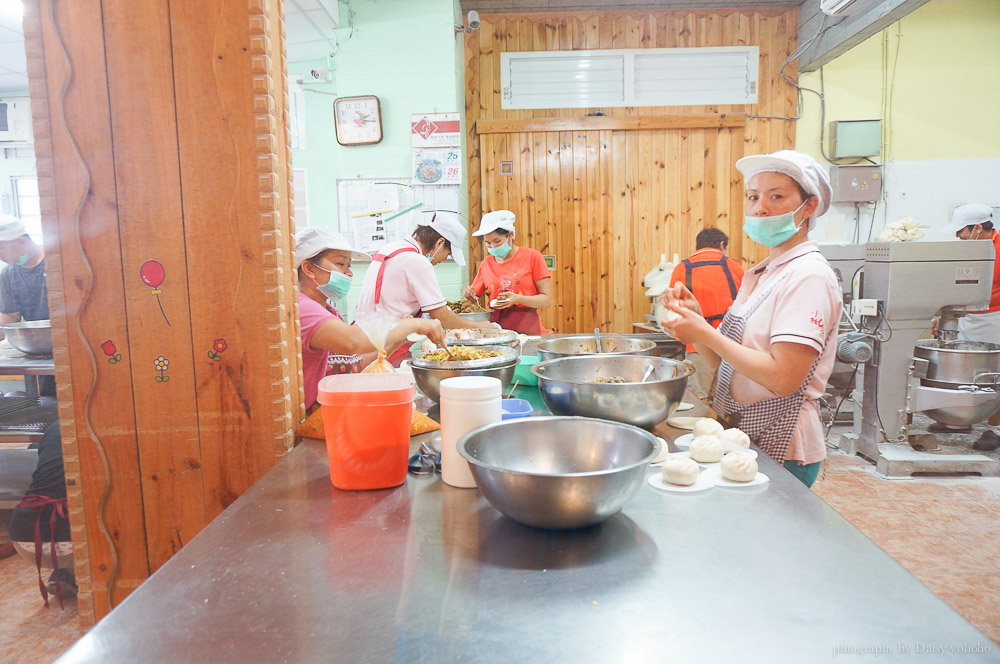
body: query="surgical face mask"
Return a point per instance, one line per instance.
(336, 287)
(772, 231)
(501, 251)
(22, 259)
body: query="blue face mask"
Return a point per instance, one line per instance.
(772, 231)
(22, 259)
(501, 251)
(336, 287)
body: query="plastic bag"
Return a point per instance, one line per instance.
(377, 325)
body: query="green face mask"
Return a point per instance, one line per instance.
(501, 251)
(22, 259)
(338, 285)
(772, 231)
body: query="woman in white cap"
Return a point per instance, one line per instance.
(776, 346)
(516, 278)
(401, 279)
(329, 345)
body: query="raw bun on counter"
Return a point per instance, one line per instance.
(706, 426)
(706, 449)
(662, 454)
(738, 467)
(735, 436)
(680, 471)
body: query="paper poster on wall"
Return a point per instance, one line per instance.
(437, 166)
(375, 212)
(436, 130)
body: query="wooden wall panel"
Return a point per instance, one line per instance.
(607, 205)
(184, 161)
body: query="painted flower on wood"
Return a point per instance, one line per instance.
(162, 364)
(109, 349)
(218, 346)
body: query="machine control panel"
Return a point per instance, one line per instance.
(856, 184)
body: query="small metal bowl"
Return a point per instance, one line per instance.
(568, 388)
(32, 337)
(612, 344)
(558, 472)
(476, 316)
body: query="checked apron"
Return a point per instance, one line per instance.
(771, 422)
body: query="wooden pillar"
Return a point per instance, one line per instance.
(164, 171)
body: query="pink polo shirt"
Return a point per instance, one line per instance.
(803, 308)
(409, 284)
(312, 315)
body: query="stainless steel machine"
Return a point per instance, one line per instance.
(904, 285)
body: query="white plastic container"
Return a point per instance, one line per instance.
(467, 402)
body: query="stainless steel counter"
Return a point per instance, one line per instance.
(297, 571)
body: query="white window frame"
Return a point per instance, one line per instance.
(629, 96)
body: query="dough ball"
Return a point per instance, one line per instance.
(706, 426)
(738, 467)
(735, 436)
(706, 449)
(669, 316)
(680, 470)
(663, 451)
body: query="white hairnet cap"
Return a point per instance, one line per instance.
(311, 242)
(968, 215)
(797, 165)
(11, 228)
(447, 224)
(492, 221)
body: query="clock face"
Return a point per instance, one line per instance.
(358, 120)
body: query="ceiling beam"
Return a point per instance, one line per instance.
(846, 31)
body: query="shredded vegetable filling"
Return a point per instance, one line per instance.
(459, 354)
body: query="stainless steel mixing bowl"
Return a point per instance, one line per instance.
(568, 388)
(558, 472)
(476, 315)
(429, 379)
(612, 344)
(32, 337)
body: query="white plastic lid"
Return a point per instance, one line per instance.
(470, 387)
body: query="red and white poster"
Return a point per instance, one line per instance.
(436, 130)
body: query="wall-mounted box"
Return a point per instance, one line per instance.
(856, 184)
(855, 138)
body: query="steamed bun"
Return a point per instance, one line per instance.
(735, 436)
(706, 426)
(680, 471)
(738, 467)
(707, 449)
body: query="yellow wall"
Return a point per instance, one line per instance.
(946, 97)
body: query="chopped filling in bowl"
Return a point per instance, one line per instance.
(459, 354)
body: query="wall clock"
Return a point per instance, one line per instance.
(358, 120)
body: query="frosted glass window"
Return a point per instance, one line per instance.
(629, 77)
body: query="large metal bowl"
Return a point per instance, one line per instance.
(568, 388)
(32, 337)
(429, 379)
(612, 344)
(558, 472)
(959, 361)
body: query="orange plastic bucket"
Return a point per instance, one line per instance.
(367, 423)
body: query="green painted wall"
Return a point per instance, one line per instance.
(407, 54)
(945, 89)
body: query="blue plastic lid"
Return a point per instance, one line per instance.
(513, 408)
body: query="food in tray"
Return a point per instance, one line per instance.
(707, 449)
(429, 170)
(465, 307)
(459, 354)
(738, 467)
(472, 333)
(735, 436)
(706, 426)
(609, 379)
(680, 471)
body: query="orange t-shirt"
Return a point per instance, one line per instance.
(522, 271)
(709, 283)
